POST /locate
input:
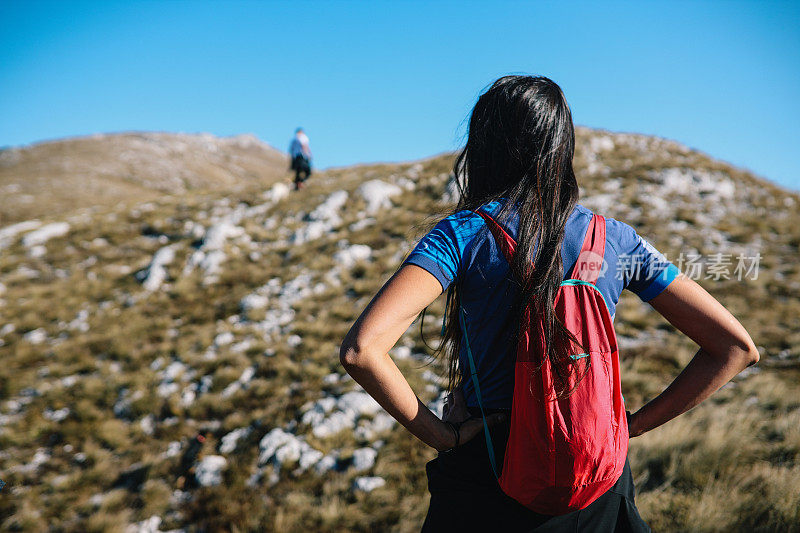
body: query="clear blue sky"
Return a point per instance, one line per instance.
(390, 81)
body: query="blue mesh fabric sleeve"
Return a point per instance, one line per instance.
(642, 268)
(441, 250)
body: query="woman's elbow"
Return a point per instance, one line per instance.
(752, 354)
(351, 355)
(747, 352)
(347, 355)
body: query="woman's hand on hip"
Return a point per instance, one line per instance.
(460, 424)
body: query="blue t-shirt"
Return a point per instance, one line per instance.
(457, 245)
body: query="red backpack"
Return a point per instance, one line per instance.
(562, 454)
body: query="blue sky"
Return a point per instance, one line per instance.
(391, 81)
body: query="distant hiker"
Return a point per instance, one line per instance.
(301, 158)
(535, 431)
(188, 460)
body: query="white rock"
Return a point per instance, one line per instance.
(351, 255)
(437, 405)
(223, 339)
(601, 143)
(148, 424)
(208, 471)
(247, 375)
(377, 194)
(243, 346)
(333, 424)
(240, 383)
(219, 233)
(322, 219)
(368, 484)
(294, 341)
(325, 464)
(45, 233)
(364, 459)
(174, 370)
(253, 301)
(348, 408)
(361, 224)
(188, 395)
(359, 403)
(149, 525)
(381, 423)
(317, 411)
(37, 251)
(402, 352)
(156, 273)
(37, 336)
(452, 194)
(173, 449)
(309, 458)
(277, 192)
(230, 440)
(9, 233)
(57, 415)
(39, 458)
(211, 263)
(69, 381)
(166, 390)
(331, 379)
(280, 447)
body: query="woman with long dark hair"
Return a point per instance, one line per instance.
(516, 172)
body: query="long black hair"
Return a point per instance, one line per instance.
(519, 150)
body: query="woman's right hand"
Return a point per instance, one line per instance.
(725, 350)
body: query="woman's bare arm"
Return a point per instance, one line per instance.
(364, 354)
(725, 350)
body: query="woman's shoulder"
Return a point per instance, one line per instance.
(466, 221)
(620, 235)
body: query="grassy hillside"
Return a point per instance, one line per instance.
(51, 178)
(131, 329)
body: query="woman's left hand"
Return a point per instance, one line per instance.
(455, 412)
(455, 407)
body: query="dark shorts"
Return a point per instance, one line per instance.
(465, 496)
(301, 164)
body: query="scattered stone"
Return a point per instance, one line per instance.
(350, 255)
(149, 525)
(380, 424)
(321, 220)
(148, 424)
(230, 441)
(378, 194)
(156, 274)
(346, 410)
(45, 233)
(209, 470)
(36, 336)
(364, 459)
(9, 234)
(58, 415)
(278, 192)
(281, 447)
(368, 484)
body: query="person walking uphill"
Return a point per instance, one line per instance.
(300, 153)
(535, 432)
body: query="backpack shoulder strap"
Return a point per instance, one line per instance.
(590, 260)
(473, 372)
(504, 241)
